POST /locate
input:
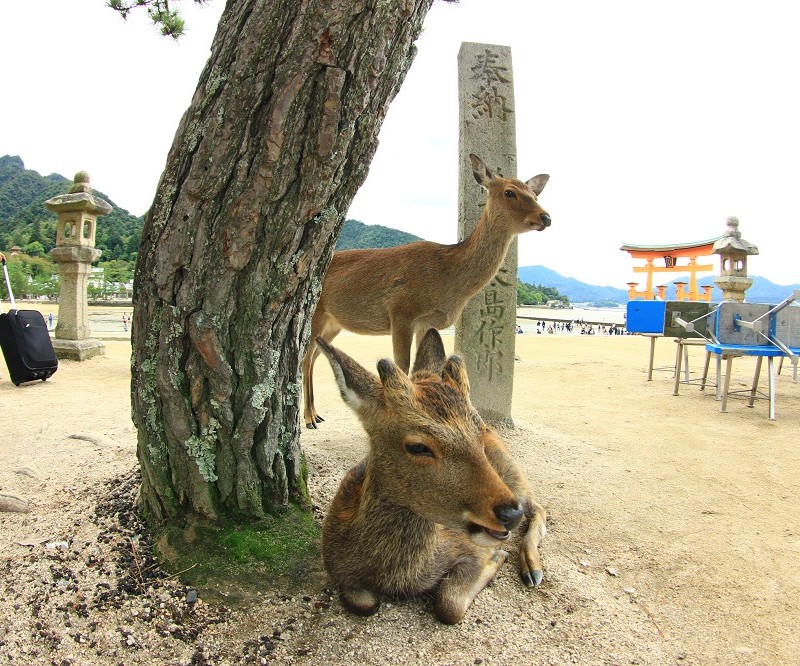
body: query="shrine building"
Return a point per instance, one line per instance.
(675, 258)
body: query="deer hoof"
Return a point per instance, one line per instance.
(500, 556)
(318, 419)
(360, 602)
(532, 578)
(311, 426)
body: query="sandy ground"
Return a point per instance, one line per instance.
(674, 536)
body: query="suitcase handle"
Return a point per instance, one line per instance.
(8, 284)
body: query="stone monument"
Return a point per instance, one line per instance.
(486, 329)
(74, 252)
(733, 251)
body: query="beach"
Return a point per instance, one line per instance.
(672, 538)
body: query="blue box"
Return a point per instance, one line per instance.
(646, 317)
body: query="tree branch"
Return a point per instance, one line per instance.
(169, 21)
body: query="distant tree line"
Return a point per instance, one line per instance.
(30, 277)
(36, 277)
(530, 294)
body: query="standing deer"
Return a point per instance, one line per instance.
(408, 289)
(438, 492)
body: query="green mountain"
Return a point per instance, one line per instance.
(357, 235)
(24, 221)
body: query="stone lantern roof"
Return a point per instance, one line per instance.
(732, 242)
(79, 198)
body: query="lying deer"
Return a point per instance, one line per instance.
(408, 289)
(438, 492)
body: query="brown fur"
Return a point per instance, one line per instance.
(438, 492)
(408, 289)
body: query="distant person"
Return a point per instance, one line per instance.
(50, 320)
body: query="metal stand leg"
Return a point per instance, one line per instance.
(754, 388)
(771, 372)
(652, 354)
(705, 371)
(685, 360)
(724, 405)
(719, 376)
(678, 367)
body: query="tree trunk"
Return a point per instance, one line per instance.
(277, 139)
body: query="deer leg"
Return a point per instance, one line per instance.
(359, 601)
(530, 562)
(309, 413)
(327, 331)
(463, 583)
(402, 335)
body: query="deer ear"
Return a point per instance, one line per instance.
(430, 353)
(455, 373)
(481, 172)
(357, 385)
(537, 183)
(396, 384)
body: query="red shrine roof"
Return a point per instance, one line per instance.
(673, 247)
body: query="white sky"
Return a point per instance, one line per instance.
(656, 121)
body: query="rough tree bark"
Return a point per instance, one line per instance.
(265, 162)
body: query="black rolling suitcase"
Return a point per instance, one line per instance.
(26, 343)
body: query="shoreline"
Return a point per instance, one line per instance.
(592, 316)
(105, 321)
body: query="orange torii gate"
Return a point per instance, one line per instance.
(670, 254)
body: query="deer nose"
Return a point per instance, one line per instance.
(509, 515)
(545, 218)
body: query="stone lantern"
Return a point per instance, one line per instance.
(74, 252)
(733, 251)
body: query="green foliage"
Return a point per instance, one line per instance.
(168, 20)
(357, 235)
(34, 249)
(117, 270)
(25, 222)
(529, 294)
(18, 279)
(30, 277)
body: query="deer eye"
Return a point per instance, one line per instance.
(418, 449)
(509, 194)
